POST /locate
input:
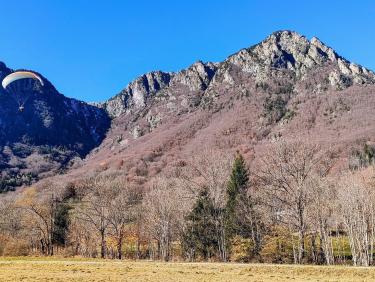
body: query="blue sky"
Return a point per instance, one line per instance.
(90, 50)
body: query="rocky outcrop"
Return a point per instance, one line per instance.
(137, 92)
(135, 96)
(287, 50)
(197, 77)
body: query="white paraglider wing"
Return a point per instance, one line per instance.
(20, 85)
(20, 75)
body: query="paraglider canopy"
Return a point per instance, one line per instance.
(20, 75)
(20, 85)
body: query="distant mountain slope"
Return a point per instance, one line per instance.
(47, 135)
(284, 87)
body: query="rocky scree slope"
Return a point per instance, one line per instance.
(50, 134)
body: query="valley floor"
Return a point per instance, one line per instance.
(41, 269)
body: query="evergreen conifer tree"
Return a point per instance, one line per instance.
(200, 237)
(237, 185)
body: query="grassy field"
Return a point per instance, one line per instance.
(40, 269)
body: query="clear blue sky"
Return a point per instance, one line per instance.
(90, 50)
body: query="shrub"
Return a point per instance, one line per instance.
(274, 108)
(278, 246)
(241, 249)
(10, 246)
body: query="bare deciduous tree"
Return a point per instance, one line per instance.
(321, 218)
(286, 175)
(82, 238)
(94, 208)
(356, 206)
(41, 209)
(164, 208)
(122, 202)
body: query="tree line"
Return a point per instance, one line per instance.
(289, 206)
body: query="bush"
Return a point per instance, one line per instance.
(362, 158)
(13, 247)
(241, 249)
(278, 246)
(274, 108)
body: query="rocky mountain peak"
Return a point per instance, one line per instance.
(315, 41)
(292, 50)
(288, 50)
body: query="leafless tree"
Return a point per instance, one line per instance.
(286, 175)
(40, 211)
(321, 218)
(122, 203)
(94, 208)
(164, 209)
(82, 238)
(356, 206)
(6, 207)
(251, 216)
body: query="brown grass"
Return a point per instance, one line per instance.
(41, 269)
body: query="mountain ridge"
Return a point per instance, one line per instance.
(279, 45)
(285, 87)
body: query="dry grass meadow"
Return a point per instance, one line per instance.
(41, 269)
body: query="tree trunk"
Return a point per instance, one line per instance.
(102, 244)
(119, 247)
(301, 246)
(314, 249)
(301, 233)
(42, 246)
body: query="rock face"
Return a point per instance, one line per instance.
(140, 91)
(292, 51)
(50, 132)
(137, 92)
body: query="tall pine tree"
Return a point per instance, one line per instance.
(237, 186)
(200, 237)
